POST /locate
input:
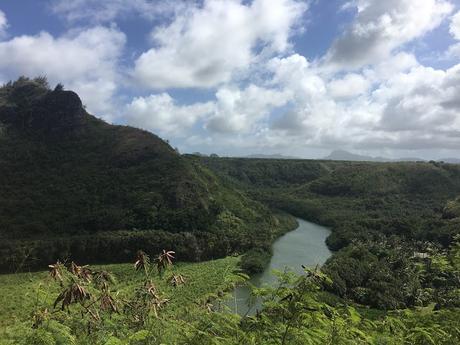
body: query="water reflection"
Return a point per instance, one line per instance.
(302, 246)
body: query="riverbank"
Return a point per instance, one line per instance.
(256, 259)
(305, 245)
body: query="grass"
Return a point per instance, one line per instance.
(20, 293)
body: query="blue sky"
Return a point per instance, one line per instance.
(235, 77)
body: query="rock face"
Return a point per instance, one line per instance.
(30, 108)
(58, 111)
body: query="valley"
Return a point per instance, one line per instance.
(304, 246)
(77, 191)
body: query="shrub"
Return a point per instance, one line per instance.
(255, 260)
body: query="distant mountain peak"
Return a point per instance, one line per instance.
(342, 155)
(270, 156)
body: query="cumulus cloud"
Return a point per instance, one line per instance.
(161, 114)
(85, 61)
(453, 51)
(394, 64)
(205, 46)
(390, 101)
(382, 26)
(295, 74)
(234, 110)
(238, 111)
(312, 109)
(351, 85)
(416, 101)
(398, 104)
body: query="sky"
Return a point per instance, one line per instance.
(239, 77)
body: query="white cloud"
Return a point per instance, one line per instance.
(85, 61)
(416, 109)
(3, 24)
(233, 111)
(453, 52)
(238, 111)
(351, 85)
(205, 46)
(160, 113)
(390, 102)
(382, 26)
(455, 26)
(313, 111)
(397, 105)
(413, 101)
(296, 75)
(394, 64)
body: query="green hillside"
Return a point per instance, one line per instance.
(75, 186)
(389, 221)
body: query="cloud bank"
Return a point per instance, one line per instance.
(206, 46)
(370, 90)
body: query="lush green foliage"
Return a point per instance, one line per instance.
(75, 186)
(24, 294)
(383, 216)
(294, 312)
(255, 260)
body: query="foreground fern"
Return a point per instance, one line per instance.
(152, 310)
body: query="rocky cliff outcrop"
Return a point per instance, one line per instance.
(30, 107)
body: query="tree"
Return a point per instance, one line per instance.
(59, 87)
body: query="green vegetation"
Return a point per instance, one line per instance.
(388, 220)
(255, 260)
(76, 187)
(24, 294)
(122, 304)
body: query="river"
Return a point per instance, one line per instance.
(303, 246)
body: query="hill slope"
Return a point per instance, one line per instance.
(383, 217)
(67, 175)
(64, 171)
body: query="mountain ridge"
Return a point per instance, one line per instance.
(71, 183)
(343, 155)
(270, 156)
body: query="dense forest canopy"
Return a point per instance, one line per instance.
(73, 185)
(389, 221)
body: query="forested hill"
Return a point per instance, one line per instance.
(394, 225)
(73, 185)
